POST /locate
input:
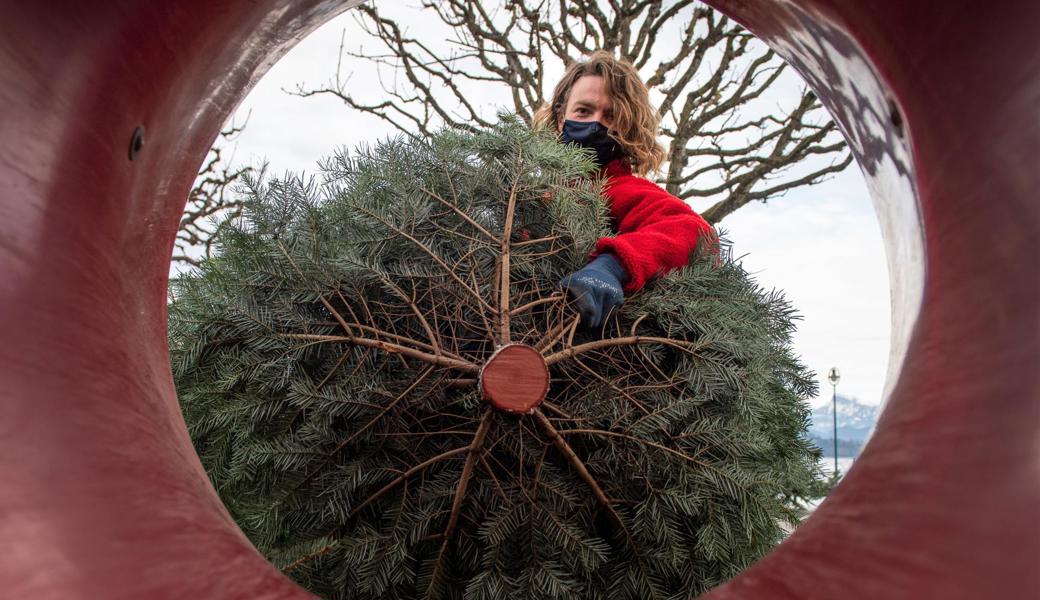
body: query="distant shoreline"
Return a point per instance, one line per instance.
(846, 447)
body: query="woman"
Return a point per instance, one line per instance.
(602, 104)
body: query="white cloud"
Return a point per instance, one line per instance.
(822, 246)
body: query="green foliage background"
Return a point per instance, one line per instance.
(342, 460)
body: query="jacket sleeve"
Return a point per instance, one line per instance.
(656, 232)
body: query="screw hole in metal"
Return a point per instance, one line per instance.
(136, 142)
(895, 117)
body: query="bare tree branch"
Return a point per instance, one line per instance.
(209, 202)
(709, 75)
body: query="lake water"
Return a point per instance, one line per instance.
(844, 464)
(827, 464)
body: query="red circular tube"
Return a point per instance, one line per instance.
(102, 495)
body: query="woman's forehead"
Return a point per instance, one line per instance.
(590, 90)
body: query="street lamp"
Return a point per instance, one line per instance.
(833, 376)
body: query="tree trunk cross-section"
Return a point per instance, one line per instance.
(515, 379)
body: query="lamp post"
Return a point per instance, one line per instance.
(833, 376)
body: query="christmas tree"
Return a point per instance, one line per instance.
(394, 400)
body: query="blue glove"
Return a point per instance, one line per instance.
(596, 289)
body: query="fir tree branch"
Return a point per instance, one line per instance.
(385, 410)
(579, 466)
(625, 341)
(461, 383)
(403, 476)
(534, 303)
(410, 300)
(444, 361)
(570, 333)
(343, 357)
(404, 339)
(436, 257)
(494, 479)
(559, 411)
(460, 494)
(307, 557)
(426, 433)
(612, 385)
(672, 383)
(462, 214)
(321, 297)
(604, 432)
(386, 488)
(546, 254)
(553, 335)
(442, 230)
(636, 323)
(488, 329)
(551, 238)
(507, 234)
(344, 444)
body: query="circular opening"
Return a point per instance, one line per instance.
(337, 80)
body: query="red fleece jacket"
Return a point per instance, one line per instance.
(656, 232)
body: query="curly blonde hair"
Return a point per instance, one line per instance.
(635, 120)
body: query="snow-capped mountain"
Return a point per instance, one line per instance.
(855, 422)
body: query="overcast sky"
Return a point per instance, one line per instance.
(821, 245)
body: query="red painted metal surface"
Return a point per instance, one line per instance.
(101, 495)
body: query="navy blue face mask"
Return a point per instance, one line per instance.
(592, 135)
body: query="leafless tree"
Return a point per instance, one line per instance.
(706, 72)
(209, 202)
